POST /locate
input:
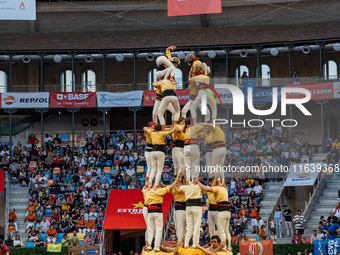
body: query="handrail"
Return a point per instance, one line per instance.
(7, 203)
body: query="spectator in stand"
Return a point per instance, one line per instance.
(315, 237)
(51, 235)
(297, 238)
(287, 214)
(89, 240)
(299, 221)
(332, 219)
(337, 210)
(32, 234)
(17, 242)
(4, 250)
(262, 232)
(74, 238)
(30, 220)
(44, 225)
(9, 242)
(12, 217)
(278, 220)
(39, 242)
(65, 242)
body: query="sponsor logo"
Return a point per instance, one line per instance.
(9, 100)
(72, 96)
(22, 6)
(256, 248)
(137, 209)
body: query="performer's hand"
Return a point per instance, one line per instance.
(223, 244)
(180, 175)
(195, 180)
(171, 48)
(217, 175)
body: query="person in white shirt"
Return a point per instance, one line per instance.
(273, 237)
(120, 145)
(315, 237)
(258, 189)
(129, 144)
(130, 171)
(44, 225)
(89, 133)
(43, 178)
(47, 138)
(337, 210)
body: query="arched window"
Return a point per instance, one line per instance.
(88, 81)
(241, 74)
(3, 82)
(66, 81)
(330, 70)
(265, 75)
(152, 78)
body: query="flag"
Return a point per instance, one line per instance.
(333, 246)
(53, 247)
(320, 246)
(256, 247)
(2, 181)
(192, 7)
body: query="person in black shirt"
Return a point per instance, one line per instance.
(76, 179)
(9, 241)
(237, 228)
(287, 213)
(39, 242)
(332, 219)
(64, 225)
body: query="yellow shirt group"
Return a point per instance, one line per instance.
(178, 135)
(178, 195)
(157, 138)
(192, 131)
(153, 196)
(192, 191)
(220, 193)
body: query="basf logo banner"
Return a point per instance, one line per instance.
(17, 10)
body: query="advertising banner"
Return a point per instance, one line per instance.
(336, 89)
(193, 7)
(128, 212)
(318, 90)
(149, 97)
(25, 100)
(123, 99)
(257, 247)
(73, 99)
(333, 246)
(262, 94)
(304, 174)
(17, 10)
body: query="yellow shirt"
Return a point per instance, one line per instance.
(159, 90)
(156, 253)
(148, 137)
(209, 139)
(196, 63)
(178, 195)
(165, 85)
(211, 198)
(337, 145)
(192, 191)
(218, 134)
(153, 196)
(192, 132)
(221, 194)
(178, 135)
(189, 251)
(157, 137)
(193, 88)
(144, 191)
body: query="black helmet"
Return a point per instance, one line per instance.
(189, 58)
(176, 60)
(199, 68)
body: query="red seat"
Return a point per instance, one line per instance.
(54, 196)
(49, 219)
(308, 240)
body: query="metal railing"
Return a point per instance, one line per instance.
(168, 220)
(121, 87)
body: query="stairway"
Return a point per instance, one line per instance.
(18, 199)
(266, 205)
(326, 204)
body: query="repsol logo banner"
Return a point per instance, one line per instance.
(25, 100)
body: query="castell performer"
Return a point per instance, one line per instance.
(191, 61)
(167, 65)
(223, 210)
(178, 150)
(149, 150)
(202, 82)
(157, 154)
(154, 199)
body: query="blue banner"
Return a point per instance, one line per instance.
(333, 246)
(262, 94)
(320, 247)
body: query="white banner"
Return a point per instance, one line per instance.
(225, 95)
(25, 100)
(124, 99)
(17, 10)
(304, 174)
(336, 89)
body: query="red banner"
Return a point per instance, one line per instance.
(149, 96)
(256, 247)
(73, 99)
(2, 180)
(318, 90)
(125, 209)
(192, 7)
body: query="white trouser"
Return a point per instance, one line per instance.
(289, 228)
(51, 240)
(157, 162)
(193, 217)
(208, 163)
(212, 220)
(223, 227)
(198, 101)
(155, 227)
(145, 215)
(32, 239)
(218, 158)
(165, 102)
(14, 224)
(186, 108)
(192, 161)
(170, 71)
(148, 162)
(29, 225)
(156, 109)
(178, 159)
(180, 223)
